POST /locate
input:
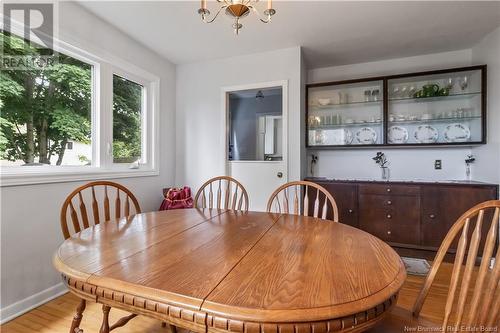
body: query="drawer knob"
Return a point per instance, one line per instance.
(389, 232)
(389, 216)
(350, 211)
(389, 202)
(388, 190)
(432, 216)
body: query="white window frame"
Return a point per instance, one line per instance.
(146, 153)
(104, 66)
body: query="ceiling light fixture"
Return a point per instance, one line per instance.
(236, 10)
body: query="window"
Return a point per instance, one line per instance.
(84, 117)
(43, 109)
(255, 123)
(127, 119)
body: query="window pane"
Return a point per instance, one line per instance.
(255, 125)
(43, 109)
(127, 117)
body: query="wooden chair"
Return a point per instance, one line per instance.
(468, 304)
(81, 220)
(292, 201)
(222, 192)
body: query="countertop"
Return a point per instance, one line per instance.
(401, 181)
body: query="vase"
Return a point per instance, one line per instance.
(467, 172)
(386, 173)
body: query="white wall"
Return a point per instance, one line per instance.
(30, 230)
(199, 117)
(404, 163)
(487, 166)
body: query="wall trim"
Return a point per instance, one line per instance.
(77, 174)
(29, 303)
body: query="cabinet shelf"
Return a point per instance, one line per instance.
(467, 98)
(433, 121)
(435, 98)
(330, 107)
(334, 126)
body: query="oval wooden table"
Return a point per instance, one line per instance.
(223, 271)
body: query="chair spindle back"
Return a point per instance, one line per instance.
(470, 304)
(78, 213)
(288, 199)
(222, 192)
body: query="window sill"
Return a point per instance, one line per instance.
(9, 178)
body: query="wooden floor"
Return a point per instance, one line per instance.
(56, 316)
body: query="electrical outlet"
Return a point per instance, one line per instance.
(438, 165)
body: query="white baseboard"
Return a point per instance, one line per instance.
(18, 308)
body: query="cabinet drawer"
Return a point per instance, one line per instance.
(392, 218)
(389, 189)
(391, 215)
(401, 204)
(391, 225)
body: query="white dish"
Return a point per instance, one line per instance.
(324, 101)
(456, 133)
(426, 134)
(341, 137)
(366, 136)
(397, 134)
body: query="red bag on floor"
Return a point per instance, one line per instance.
(177, 198)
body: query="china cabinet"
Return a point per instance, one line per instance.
(442, 107)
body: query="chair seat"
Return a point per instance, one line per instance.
(397, 319)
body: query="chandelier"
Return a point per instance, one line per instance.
(236, 10)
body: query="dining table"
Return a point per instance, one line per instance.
(224, 271)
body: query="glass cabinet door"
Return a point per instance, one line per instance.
(444, 108)
(345, 114)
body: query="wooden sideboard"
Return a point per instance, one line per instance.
(413, 217)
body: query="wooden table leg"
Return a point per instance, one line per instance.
(173, 329)
(105, 319)
(77, 319)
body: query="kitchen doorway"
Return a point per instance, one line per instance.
(256, 138)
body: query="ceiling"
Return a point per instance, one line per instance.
(330, 33)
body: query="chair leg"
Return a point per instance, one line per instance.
(77, 319)
(105, 319)
(173, 329)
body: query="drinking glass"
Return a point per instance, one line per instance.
(464, 83)
(404, 92)
(395, 92)
(367, 95)
(448, 83)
